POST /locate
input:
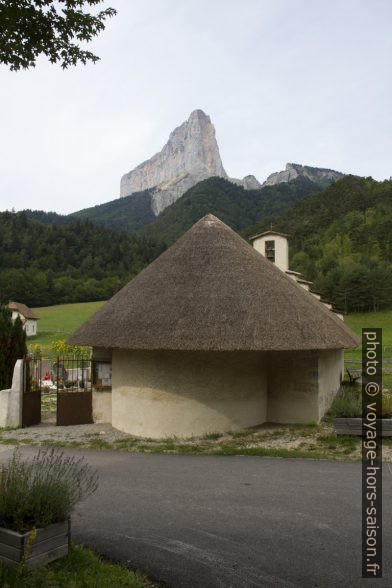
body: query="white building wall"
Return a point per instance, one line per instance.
(160, 394)
(30, 327)
(330, 369)
(102, 399)
(281, 249)
(292, 387)
(302, 384)
(102, 406)
(11, 399)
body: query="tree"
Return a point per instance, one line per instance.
(54, 28)
(12, 345)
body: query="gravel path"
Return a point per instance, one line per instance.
(51, 432)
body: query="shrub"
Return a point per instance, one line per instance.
(347, 403)
(44, 490)
(387, 405)
(12, 345)
(35, 351)
(62, 349)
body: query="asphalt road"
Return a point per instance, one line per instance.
(206, 521)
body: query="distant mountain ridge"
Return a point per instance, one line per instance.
(192, 155)
(231, 202)
(320, 175)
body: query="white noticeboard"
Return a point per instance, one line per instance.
(104, 373)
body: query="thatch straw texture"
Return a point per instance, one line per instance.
(212, 291)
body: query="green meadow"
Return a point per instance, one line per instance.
(58, 322)
(383, 319)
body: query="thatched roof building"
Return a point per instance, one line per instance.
(212, 336)
(23, 310)
(26, 315)
(211, 291)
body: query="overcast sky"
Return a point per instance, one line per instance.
(283, 81)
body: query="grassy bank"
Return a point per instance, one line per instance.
(80, 569)
(303, 441)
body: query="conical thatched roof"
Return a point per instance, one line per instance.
(212, 291)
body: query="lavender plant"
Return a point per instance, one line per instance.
(45, 490)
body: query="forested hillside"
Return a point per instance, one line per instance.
(129, 213)
(42, 265)
(341, 239)
(235, 206)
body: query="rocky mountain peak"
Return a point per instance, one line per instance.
(190, 155)
(198, 114)
(292, 171)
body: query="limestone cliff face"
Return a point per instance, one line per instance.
(190, 155)
(248, 182)
(294, 170)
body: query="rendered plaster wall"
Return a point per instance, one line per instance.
(102, 406)
(331, 364)
(158, 394)
(293, 387)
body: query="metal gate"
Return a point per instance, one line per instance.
(74, 392)
(69, 381)
(31, 405)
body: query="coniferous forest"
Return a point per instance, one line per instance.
(51, 264)
(341, 238)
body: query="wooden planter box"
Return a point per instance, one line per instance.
(353, 426)
(52, 542)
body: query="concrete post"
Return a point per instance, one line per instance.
(11, 400)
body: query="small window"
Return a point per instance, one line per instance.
(270, 250)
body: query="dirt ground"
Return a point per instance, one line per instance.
(317, 441)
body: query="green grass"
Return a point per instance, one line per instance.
(358, 321)
(347, 442)
(80, 569)
(314, 441)
(58, 322)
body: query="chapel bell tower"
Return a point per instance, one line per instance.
(274, 246)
